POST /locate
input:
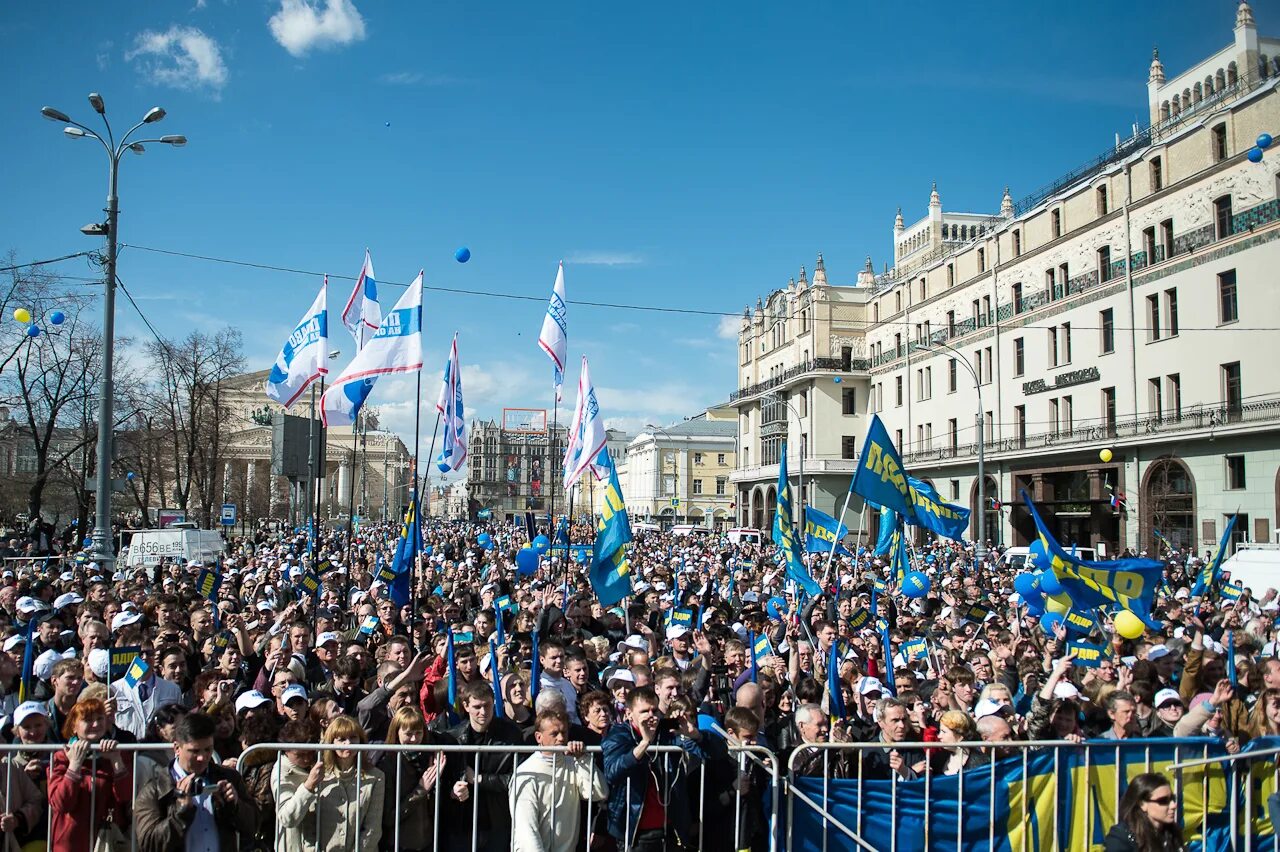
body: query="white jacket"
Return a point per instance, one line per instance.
(545, 796)
(132, 713)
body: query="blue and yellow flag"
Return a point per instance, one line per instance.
(1078, 622)
(370, 624)
(898, 563)
(309, 583)
(859, 618)
(821, 531)
(406, 552)
(610, 573)
(882, 479)
(835, 705)
(1088, 655)
(680, 617)
(784, 533)
(1232, 591)
(28, 661)
(1209, 573)
(760, 647)
(121, 660)
(914, 649)
(208, 583)
(138, 671)
(1128, 583)
(890, 522)
(535, 671)
(496, 677)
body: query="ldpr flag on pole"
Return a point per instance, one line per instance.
(302, 360)
(362, 316)
(586, 433)
(554, 337)
(452, 414)
(395, 348)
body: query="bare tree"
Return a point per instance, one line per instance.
(190, 402)
(50, 380)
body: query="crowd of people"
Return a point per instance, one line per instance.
(483, 655)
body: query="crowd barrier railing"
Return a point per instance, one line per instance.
(1033, 795)
(438, 755)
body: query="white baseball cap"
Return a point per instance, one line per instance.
(251, 699)
(987, 707)
(327, 637)
(68, 599)
(124, 618)
(293, 691)
(100, 662)
(1164, 696)
(14, 641)
(27, 709)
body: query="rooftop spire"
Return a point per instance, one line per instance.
(898, 224)
(935, 200)
(1244, 15)
(804, 277)
(1006, 204)
(1157, 69)
(819, 272)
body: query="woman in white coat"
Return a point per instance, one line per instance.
(548, 788)
(337, 804)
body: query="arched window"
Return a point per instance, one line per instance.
(1186, 98)
(1208, 86)
(1177, 105)
(1264, 66)
(1219, 80)
(1169, 501)
(1197, 93)
(1164, 111)
(1231, 74)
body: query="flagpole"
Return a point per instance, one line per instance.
(551, 463)
(417, 508)
(430, 453)
(835, 539)
(319, 451)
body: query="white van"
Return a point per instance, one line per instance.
(1016, 557)
(745, 535)
(151, 547)
(1255, 566)
(690, 529)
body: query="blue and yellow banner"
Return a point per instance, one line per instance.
(1064, 799)
(890, 522)
(1078, 622)
(1232, 591)
(882, 479)
(821, 531)
(760, 647)
(680, 617)
(859, 618)
(137, 671)
(208, 582)
(976, 613)
(610, 572)
(914, 649)
(784, 533)
(370, 624)
(1129, 583)
(406, 551)
(122, 659)
(1088, 656)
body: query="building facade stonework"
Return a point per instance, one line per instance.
(1123, 308)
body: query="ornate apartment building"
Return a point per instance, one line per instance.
(1125, 307)
(679, 474)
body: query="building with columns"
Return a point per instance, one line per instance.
(680, 474)
(1124, 307)
(368, 467)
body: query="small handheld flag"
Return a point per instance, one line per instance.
(138, 671)
(498, 710)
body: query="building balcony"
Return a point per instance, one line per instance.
(813, 365)
(812, 467)
(1205, 419)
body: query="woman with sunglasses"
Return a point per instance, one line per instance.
(1148, 818)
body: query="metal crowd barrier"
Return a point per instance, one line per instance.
(1185, 756)
(372, 752)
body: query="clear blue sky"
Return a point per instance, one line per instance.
(690, 154)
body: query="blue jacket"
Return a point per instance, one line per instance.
(671, 772)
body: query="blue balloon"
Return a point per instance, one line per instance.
(33, 330)
(130, 476)
(1255, 155)
(485, 540)
(57, 317)
(1264, 141)
(1050, 620)
(1035, 606)
(1027, 584)
(526, 561)
(88, 541)
(427, 550)
(915, 584)
(541, 544)
(1050, 585)
(462, 255)
(1037, 556)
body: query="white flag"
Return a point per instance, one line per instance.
(586, 433)
(452, 414)
(396, 347)
(302, 360)
(554, 337)
(363, 315)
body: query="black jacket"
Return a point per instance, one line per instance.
(494, 770)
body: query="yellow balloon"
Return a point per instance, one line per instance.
(1105, 455)
(22, 315)
(1060, 602)
(1129, 625)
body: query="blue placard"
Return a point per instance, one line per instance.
(1088, 656)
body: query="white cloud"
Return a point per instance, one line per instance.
(103, 56)
(301, 25)
(728, 326)
(181, 57)
(416, 78)
(605, 258)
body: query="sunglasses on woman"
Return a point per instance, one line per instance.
(1161, 800)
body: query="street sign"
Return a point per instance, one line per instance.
(675, 501)
(228, 514)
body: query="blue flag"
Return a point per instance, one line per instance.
(821, 531)
(610, 572)
(1128, 583)
(898, 563)
(498, 710)
(753, 669)
(28, 660)
(836, 702)
(406, 551)
(890, 522)
(498, 629)
(889, 681)
(784, 533)
(1231, 658)
(882, 479)
(1208, 575)
(535, 672)
(452, 669)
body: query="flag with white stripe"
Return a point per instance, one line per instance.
(554, 337)
(302, 360)
(452, 414)
(363, 315)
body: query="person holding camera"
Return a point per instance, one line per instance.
(198, 804)
(649, 795)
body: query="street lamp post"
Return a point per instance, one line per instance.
(104, 549)
(800, 473)
(980, 545)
